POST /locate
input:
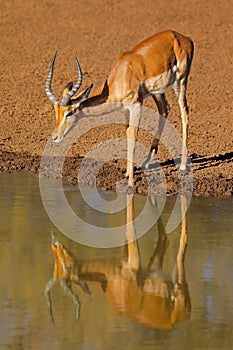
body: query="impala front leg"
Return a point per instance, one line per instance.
(132, 131)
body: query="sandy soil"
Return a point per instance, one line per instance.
(31, 31)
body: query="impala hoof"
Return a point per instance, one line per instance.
(145, 165)
(130, 189)
(183, 167)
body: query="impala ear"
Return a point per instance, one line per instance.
(82, 96)
(67, 88)
(87, 91)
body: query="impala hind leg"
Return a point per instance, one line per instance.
(180, 90)
(132, 131)
(163, 108)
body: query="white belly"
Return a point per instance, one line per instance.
(161, 83)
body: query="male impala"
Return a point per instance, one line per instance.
(149, 69)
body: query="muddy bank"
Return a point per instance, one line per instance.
(206, 177)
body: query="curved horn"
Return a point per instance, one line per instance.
(69, 94)
(48, 83)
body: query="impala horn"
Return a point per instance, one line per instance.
(48, 83)
(65, 100)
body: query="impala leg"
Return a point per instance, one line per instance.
(184, 117)
(183, 243)
(182, 303)
(163, 109)
(132, 131)
(132, 251)
(156, 261)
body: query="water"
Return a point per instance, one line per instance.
(124, 304)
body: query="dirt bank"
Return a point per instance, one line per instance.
(98, 31)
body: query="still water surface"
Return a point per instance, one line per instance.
(161, 304)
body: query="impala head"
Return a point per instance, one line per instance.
(67, 108)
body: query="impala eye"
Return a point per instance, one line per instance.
(69, 114)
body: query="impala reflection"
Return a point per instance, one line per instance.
(146, 295)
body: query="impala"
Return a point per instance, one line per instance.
(146, 295)
(149, 69)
